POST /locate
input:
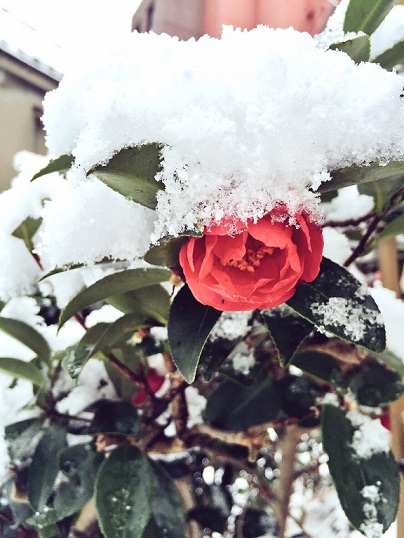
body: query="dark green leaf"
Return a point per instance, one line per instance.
(359, 174)
(287, 331)
(189, 325)
(26, 231)
(351, 474)
(167, 251)
(208, 517)
(22, 370)
(131, 172)
(152, 302)
(357, 48)
(391, 57)
(373, 385)
(234, 407)
(44, 467)
(61, 164)
(124, 493)
(334, 301)
(393, 228)
(119, 331)
(111, 285)
(366, 15)
(26, 335)
(321, 366)
(115, 418)
(21, 435)
(382, 191)
(75, 358)
(259, 523)
(167, 508)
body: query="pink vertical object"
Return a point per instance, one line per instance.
(303, 15)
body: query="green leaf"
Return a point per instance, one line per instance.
(26, 335)
(152, 302)
(287, 331)
(382, 191)
(357, 48)
(366, 15)
(335, 302)
(351, 474)
(111, 285)
(75, 358)
(391, 57)
(321, 366)
(392, 361)
(119, 331)
(21, 435)
(26, 231)
(393, 228)
(63, 269)
(61, 164)
(22, 370)
(131, 172)
(359, 174)
(115, 418)
(373, 385)
(124, 493)
(189, 325)
(166, 252)
(234, 407)
(44, 467)
(168, 514)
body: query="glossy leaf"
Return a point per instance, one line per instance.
(131, 172)
(335, 302)
(166, 251)
(287, 331)
(61, 164)
(321, 366)
(27, 335)
(111, 285)
(22, 370)
(391, 57)
(168, 514)
(119, 331)
(44, 467)
(26, 231)
(21, 435)
(234, 407)
(359, 174)
(124, 492)
(366, 15)
(357, 48)
(75, 358)
(189, 325)
(382, 191)
(351, 474)
(152, 303)
(373, 385)
(115, 418)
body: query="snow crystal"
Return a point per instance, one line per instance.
(268, 118)
(242, 358)
(371, 527)
(389, 32)
(342, 313)
(231, 325)
(392, 310)
(370, 436)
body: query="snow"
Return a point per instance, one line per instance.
(196, 404)
(230, 325)
(371, 527)
(255, 128)
(336, 246)
(392, 310)
(370, 437)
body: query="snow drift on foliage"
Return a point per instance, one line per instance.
(247, 121)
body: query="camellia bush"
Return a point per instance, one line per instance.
(194, 337)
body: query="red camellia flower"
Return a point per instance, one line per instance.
(257, 268)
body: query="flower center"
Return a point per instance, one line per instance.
(252, 258)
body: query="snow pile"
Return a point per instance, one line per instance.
(371, 527)
(389, 32)
(258, 126)
(370, 436)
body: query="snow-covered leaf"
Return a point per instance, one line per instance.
(366, 15)
(111, 285)
(22, 370)
(26, 231)
(391, 57)
(357, 48)
(287, 331)
(368, 488)
(61, 164)
(27, 335)
(189, 325)
(336, 302)
(131, 172)
(124, 493)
